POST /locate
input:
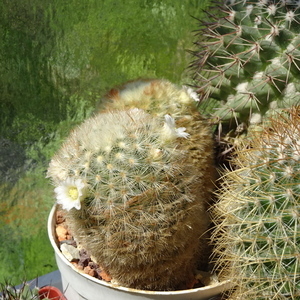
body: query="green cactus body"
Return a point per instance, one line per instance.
(248, 64)
(24, 292)
(138, 182)
(257, 235)
(160, 97)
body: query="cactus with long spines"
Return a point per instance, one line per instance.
(136, 186)
(248, 61)
(257, 234)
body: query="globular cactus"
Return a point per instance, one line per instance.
(135, 187)
(160, 97)
(157, 97)
(257, 234)
(248, 61)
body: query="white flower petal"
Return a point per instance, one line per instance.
(170, 131)
(192, 94)
(181, 132)
(70, 193)
(170, 121)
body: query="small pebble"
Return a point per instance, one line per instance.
(93, 265)
(105, 276)
(70, 252)
(69, 242)
(88, 270)
(84, 258)
(60, 218)
(61, 233)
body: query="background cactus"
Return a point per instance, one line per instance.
(24, 292)
(157, 97)
(138, 180)
(257, 235)
(248, 61)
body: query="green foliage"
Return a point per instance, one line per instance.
(248, 63)
(24, 207)
(257, 235)
(28, 256)
(117, 42)
(26, 43)
(136, 186)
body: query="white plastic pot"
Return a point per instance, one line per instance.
(77, 285)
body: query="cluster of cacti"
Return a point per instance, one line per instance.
(257, 235)
(136, 179)
(247, 73)
(24, 292)
(248, 61)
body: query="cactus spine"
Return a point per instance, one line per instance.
(248, 65)
(257, 236)
(137, 180)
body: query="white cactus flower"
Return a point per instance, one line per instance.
(192, 94)
(70, 193)
(170, 131)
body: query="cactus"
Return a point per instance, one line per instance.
(160, 97)
(132, 184)
(157, 97)
(248, 61)
(257, 234)
(24, 292)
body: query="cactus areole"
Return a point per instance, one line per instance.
(248, 62)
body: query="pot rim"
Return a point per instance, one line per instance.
(51, 233)
(46, 288)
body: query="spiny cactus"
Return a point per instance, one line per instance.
(160, 97)
(24, 292)
(248, 61)
(257, 235)
(157, 97)
(136, 188)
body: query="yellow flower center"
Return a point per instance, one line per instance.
(73, 192)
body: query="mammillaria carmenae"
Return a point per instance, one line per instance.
(136, 186)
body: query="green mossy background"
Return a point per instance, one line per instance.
(57, 59)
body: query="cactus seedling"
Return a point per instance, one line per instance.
(257, 236)
(135, 187)
(248, 64)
